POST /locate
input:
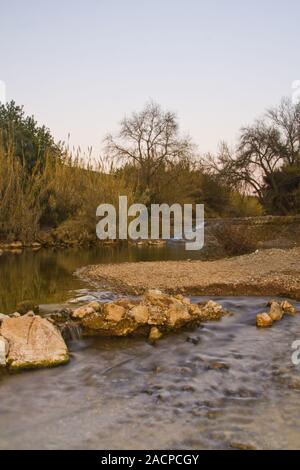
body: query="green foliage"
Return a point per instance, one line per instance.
(43, 187)
(22, 137)
(282, 190)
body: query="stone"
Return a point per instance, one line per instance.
(30, 314)
(15, 315)
(27, 306)
(134, 316)
(263, 320)
(82, 312)
(2, 317)
(217, 365)
(210, 311)
(155, 334)
(178, 315)
(95, 305)
(113, 312)
(33, 342)
(194, 310)
(36, 245)
(241, 446)
(276, 312)
(288, 308)
(140, 313)
(127, 303)
(157, 315)
(156, 297)
(4, 348)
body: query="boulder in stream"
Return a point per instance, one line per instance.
(4, 347)
(155, 310)
(276, 312)
(288, 308)
(33, 342)
(263, 320)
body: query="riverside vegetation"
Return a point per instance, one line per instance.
(49, 193)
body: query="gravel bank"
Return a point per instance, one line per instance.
(274, 272)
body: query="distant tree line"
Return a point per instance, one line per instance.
(42, 185)
(266, 160)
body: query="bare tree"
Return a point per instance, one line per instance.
(286, 119)
(149, 140)
(263, 149)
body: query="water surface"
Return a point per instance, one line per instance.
(46, 276)
(222, 385)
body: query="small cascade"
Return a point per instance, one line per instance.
(71, 331)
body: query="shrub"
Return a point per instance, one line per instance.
(234, 239)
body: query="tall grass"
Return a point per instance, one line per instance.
(63, 194)
(19, 209)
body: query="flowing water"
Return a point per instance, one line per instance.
(222, 385)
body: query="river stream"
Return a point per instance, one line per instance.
(221, 385)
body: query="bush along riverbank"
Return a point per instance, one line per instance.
(223, 237)
(28, 340)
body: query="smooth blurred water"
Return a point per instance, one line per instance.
(222, 385)
(46, 276)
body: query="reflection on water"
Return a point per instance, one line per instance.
(223, 385)
(46, 276)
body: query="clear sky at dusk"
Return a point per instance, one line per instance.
(79, 66)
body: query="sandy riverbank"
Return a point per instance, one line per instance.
(274, 272)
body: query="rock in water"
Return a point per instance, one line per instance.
(157, 309)
(211, 311)
(155, 334)
(33, 342)
(82, 312)
(3, 351)
(140, 313)
(263, 320)
(114, 313)
(276, 312)
(288, 308)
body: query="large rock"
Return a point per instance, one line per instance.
(178, 315)
(276, 312)
(114, 313)
(155, 334)
(288, 308)
(156, 297)
(33, 342)
(156, 310)
(263, 320)
(210, 311)
(4, 347)
(140, 313)
(82, 312)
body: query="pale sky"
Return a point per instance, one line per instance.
(80, 66)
